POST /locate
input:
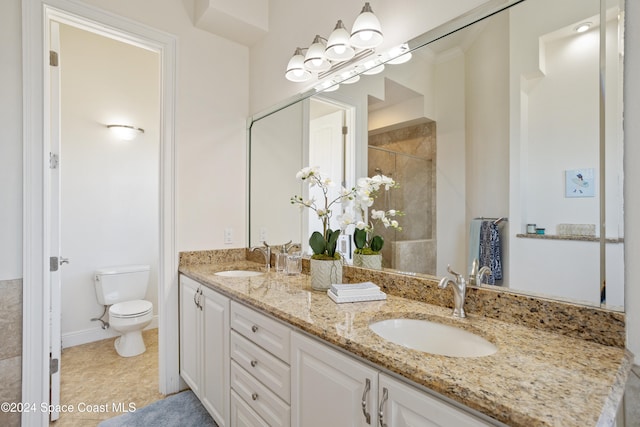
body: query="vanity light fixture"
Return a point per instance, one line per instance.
(125, 132)
(582, 27)
(326, 54)
(366, 32)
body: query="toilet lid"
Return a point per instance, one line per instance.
(131, 308)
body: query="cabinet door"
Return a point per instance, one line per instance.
(190, 333)
(402, 406)
(329, 387)
(215, 356)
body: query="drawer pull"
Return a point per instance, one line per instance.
(254, 363)
(254, 396)
(254, 328)
(365, 395)
(385, 396)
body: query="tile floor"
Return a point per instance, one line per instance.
(93, 376)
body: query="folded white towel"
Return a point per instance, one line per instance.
(364, 288)
(356, 298)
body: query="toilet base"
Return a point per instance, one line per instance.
(130, 344)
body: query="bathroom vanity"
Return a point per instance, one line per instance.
(287, 355)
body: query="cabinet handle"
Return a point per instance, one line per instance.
(365, 395)
(254, 328)
(254, 396)
(196, 297)
(199, 298)
(254, 363)
(385, 396)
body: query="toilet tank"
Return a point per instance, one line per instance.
(121, 283)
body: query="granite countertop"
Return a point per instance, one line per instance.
(536, 378)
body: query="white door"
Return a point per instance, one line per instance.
(54, 202)
(326, 150)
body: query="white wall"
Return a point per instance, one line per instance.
(110, 187)
(10, 141)
(632, 175)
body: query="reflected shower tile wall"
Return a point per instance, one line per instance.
(11, 348)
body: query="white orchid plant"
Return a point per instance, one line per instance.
(323, 244)
(364, 237)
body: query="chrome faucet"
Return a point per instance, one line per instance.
(484, 270)
(266, 251)
(475, 275)
(459, 287)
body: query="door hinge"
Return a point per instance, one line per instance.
(345, 130)
(53, 366)
(53, 263)
(53, 161)
(53, 58)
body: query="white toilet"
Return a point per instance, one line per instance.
(123, 288)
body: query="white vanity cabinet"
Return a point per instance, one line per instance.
(401, 405)
(260, 371)
(330, 388)
(251, 370)
(204, 346)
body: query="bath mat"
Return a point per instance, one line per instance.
(182, 409)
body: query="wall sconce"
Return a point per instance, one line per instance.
(125, 132)
(325, 54)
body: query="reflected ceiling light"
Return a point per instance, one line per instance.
(325, 54)
(398, 56)
(125, 132)
(372, 68)
(581, 28)
(338, 47)
(296, 72)
(352, 79)
(366, 32)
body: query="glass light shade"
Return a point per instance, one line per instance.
(376, 69)
(125, 132)
(315, 60)
(366, 32)
(296, 71)
(338, 47)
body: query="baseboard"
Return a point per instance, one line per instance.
(72, 339)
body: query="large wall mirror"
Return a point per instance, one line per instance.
(503, 121)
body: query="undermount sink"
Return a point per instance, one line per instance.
(239, 273)
(433, 337)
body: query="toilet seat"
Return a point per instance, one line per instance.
(129, 309)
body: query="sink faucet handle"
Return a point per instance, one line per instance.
(459, 277)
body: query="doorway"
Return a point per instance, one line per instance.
(109, 185)
(37, 281)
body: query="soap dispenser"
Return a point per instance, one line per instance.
(281, 257)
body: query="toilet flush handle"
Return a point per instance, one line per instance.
(64, 260)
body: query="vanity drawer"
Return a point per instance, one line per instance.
(268, 369)
(242, 415)
(258, 397)
(260, 329)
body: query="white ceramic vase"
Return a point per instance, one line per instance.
(324, 273)
(373, 262)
